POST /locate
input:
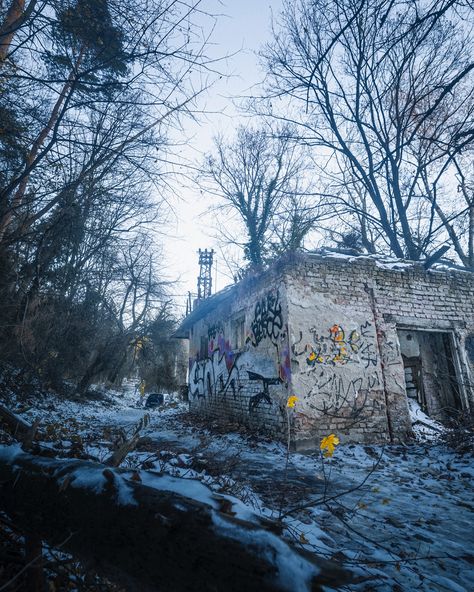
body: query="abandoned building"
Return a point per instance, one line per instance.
(353, 338)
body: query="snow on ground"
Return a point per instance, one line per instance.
(399, 515)
(425, 428)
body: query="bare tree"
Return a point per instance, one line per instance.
(384, 90)
(88, 92)
(299, 216)
(260, 177)
(73, 59)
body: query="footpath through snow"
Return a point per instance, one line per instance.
(400, 515)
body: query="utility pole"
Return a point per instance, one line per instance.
(206, 259)
(189, 304)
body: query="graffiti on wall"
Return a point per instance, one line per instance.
(335, 392)
(222, 371)
(267, 323)
(284, 359)
(217, 341)
(339, 347)
(337, 396)
(264, 394)
(221, 374)
(216, 375)
(213, 331)
(336, 389)
(267, 320)
(391, 352)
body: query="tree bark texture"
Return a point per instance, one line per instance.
(8, 27)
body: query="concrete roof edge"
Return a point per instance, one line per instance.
(325, 254)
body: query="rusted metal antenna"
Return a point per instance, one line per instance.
(206, 259)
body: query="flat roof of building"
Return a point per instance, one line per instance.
(203, 307)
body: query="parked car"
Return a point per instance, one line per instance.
(154, 400)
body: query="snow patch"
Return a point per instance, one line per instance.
(196, 490)
(87, 478)
(185, 487)
(9, 453)
(294, 571)
(93, 479)
(425, 427)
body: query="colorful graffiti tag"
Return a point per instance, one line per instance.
(338, 347)
(220, 373)
(336, 392)
(284, 361)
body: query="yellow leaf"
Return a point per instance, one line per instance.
(328, 444)
(361, 505)
(291, 401)
(385, 501)
(303, 539)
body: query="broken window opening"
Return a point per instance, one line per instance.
(204, 348)
(238, 332)
(430, 372)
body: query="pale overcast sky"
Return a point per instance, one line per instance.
(243, 25)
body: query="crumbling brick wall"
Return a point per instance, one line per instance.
(325, 330)
(243, 377)
(346, 363)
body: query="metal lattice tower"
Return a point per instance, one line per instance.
(205, 279)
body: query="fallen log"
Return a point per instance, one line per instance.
(155, 532)
(21, 430)
(118, 456)
(24, 432)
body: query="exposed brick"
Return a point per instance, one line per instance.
(315, 295)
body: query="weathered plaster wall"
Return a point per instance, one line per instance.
(246, 382)
(325, 330)
(347, 368)
(336, 360)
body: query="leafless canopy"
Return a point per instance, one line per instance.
(383, 90)
(89, 92)
(261, 180)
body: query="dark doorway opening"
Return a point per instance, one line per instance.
(430, 372)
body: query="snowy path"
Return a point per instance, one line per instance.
(408, 527)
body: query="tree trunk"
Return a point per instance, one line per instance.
(20, 184)
(152, 539)
(9, 26)
(92, 370)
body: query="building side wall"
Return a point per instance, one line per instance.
(347, 369)
(244, 372)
